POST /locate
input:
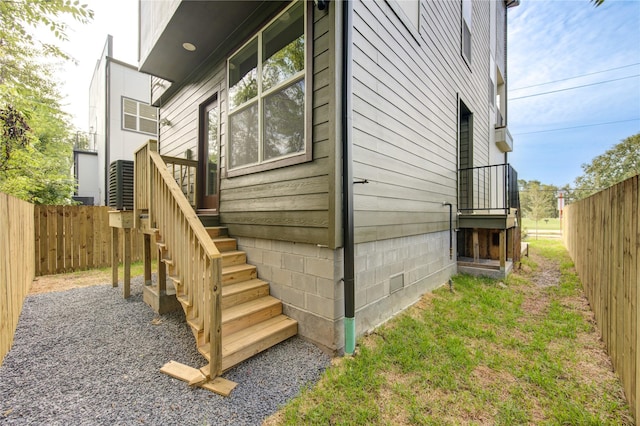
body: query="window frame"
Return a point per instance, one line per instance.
(406, 20)
(137, 116)
(469, 24)
(295, 158)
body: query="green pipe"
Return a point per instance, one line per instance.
(349, 335)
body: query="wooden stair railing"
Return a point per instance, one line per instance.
(195, 264)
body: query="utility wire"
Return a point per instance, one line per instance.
(577, 76)
(574, 87)
(577, 127)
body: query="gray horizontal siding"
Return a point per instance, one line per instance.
(405, 114)
(290, 203)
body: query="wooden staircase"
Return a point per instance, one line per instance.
(228, 308)
(252, 320)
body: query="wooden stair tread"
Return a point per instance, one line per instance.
(236, 268)
(216, 231)
(184, 301)
(233, 257)
(196, 324)
(252, 340)
(235, 294)
(225, 244)
(238, 273)
(231, 289)
(244, 309)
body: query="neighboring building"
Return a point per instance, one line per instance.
(120, 120)
(407, 100)
(85, 165)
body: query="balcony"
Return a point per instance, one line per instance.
(488, 197)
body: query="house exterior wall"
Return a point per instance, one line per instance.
(294, 203)
(86, 164)
(406, 86)
(97, 118)
(112, 80)
(125, 81)
(407, 83)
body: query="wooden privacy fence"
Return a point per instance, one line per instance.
(602, 236)
(16, 264)
(72, 238)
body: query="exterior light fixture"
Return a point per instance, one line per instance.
(189, 46)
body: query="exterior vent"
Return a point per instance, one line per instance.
(121, 185)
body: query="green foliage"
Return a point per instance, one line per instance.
(538, 201)
(35, 163)
(617, 164)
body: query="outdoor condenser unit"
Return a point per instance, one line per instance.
(121, 185)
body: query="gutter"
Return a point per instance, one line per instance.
(347, 183)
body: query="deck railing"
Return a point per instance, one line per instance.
(195, 261)
(184, 172)
(488, 189)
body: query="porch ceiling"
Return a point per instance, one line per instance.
(208, 25)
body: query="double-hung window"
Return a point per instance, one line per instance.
(267, 99)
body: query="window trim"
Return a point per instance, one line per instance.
(291, 159)
(138, 116)
(469, 25)
(406, 21)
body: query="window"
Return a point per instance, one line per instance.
(466, 30)
(267, 99)
(409, 13)
(139, 117)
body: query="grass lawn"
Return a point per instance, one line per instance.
(543, 225)
(521, 351)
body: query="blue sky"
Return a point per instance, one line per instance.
(555, 40)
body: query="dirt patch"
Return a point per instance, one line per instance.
(548, 272)
(62, 282)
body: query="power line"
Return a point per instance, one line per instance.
(577, 76)
(574, 87)
(577, 127)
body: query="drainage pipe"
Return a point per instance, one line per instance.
(347, 184)
(450, 228)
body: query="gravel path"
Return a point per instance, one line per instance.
(87, 356)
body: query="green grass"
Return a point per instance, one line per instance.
(484, 354)
(551, 224)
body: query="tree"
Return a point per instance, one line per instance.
(539, 201)
(620, 162)
(35, 139)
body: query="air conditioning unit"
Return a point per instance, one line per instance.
(121, 185)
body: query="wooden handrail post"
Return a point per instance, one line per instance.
(215, 289)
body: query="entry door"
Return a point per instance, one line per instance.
(209, 155)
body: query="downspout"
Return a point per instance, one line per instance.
(347, 184)
(450, 228)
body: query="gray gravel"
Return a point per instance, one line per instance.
(87, 356)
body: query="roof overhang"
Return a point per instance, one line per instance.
(210, 26)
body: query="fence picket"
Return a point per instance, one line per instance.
(73, 238)
(602, 236)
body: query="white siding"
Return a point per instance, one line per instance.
(129, 83)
